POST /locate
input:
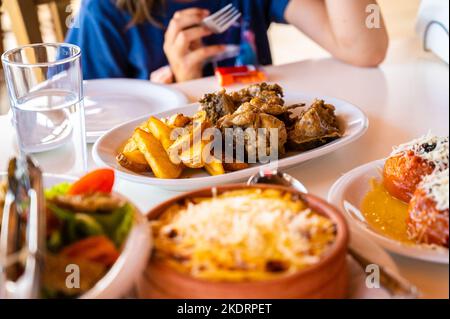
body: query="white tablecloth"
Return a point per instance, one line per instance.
(404, 98)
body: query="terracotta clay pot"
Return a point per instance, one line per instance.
(326, 279)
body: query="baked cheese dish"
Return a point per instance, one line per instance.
(250, 234)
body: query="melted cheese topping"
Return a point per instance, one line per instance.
(431, 148)
(436, 187)
(435, 150)
(242, 235)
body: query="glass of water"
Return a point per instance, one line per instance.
(45, 86)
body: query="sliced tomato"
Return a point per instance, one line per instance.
(100, 180)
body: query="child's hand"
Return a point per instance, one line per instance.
(163, 75)
(183, 46)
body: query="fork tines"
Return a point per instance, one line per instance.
(223, 19)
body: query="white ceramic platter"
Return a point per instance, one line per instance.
(352, 120)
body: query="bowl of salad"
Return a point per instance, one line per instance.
(97, 241)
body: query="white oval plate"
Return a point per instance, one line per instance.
(128, 268)
(347, 194)
(104, 152)
(109, 102)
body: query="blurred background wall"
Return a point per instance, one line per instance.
(288, 44)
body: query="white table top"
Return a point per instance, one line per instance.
(404, 98)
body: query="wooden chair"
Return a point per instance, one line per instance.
(25, 22)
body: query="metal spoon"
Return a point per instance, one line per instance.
(395, 285)
(275, 177)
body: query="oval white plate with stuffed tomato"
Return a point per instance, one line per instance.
(128, 268)
(352, 121)
(348, 193)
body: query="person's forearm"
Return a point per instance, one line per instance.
(340, 27)
(353, 34)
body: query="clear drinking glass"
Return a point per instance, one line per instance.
(45, 86)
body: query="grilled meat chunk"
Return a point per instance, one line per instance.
(262, 106)
(314, 127)
(250, 116)
(263, 95)
(263, 90)
(217, 105)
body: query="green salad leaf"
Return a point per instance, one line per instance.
(58, 189)
(117, 224)
(76, 226)
(61, 213)
(87, 226)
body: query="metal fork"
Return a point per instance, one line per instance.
(223, 19)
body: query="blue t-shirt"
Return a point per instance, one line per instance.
(112, 49)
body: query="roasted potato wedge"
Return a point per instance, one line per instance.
(131, 158)
(182, 143)
(161, 131)
(215, 167)
(133, 166)
(193, 157)
(200, 116)
(182, 147)
(178, 120)
(130, 147)
(156, 155)
(144, 126)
